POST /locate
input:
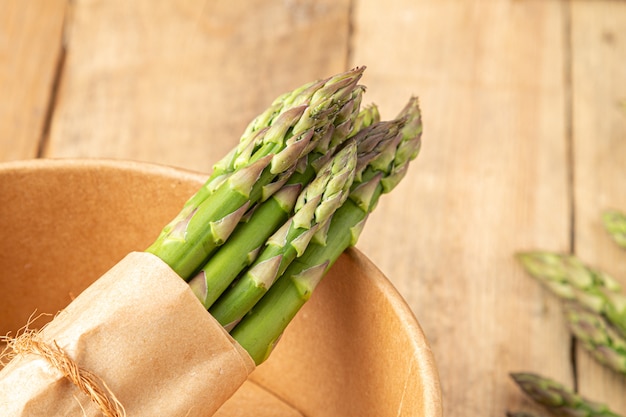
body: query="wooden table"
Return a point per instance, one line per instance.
(524, 143)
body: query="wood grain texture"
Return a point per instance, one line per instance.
(491, 180)
(523, 133)
(599, 132)
(176, 82)
(30, 46)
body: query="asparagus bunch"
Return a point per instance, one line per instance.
(557, 399)
(281, 207)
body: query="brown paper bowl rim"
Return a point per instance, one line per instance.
(109, 164)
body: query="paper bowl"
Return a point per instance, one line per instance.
(355, 349)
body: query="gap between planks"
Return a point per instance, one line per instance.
(56, 81)
(569, 146)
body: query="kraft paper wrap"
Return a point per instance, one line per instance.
(142, 331)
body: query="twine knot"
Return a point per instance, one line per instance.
(30, 341)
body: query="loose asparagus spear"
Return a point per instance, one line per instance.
(259, 166)
(316, 205)
(388, 151)
(570, 279)
(597, 336)
(615, 223)
(558, 399)
(244, 244)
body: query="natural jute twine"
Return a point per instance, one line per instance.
(29, 341)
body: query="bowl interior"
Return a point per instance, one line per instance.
(354, 349)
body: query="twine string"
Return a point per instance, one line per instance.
(30, 341)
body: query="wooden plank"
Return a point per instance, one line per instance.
(491, 180)
(599, 122)
(176, 82)
(30, 46)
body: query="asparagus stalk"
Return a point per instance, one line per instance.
(243, 246)
(387, 147)
(366, 117)
(260, 167)
(615, 223)
(597, 336)
(558, 399)
(315, 206)
(570, 279)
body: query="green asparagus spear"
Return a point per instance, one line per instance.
(615, 223)
(269, 160)
(387, 147)
(559, 400)
(366, 117)
(570, 279)
(316, 205)
(244, 244)
(241, 247)
(597, 336)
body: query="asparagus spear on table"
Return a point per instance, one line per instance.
(570, 279)
(315, 206)
(557, 399)
(388, 147)
(597, 336)
(257, 165)
(615, 223)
